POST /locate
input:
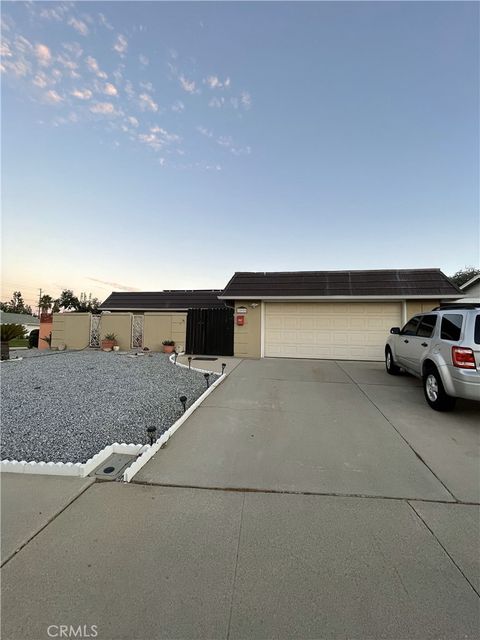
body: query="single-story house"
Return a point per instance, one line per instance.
(329, 314)
(29, 322)
(305, 314)
(471, 289)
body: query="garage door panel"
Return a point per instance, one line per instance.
(350, 331)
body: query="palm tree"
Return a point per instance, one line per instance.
(9, 332)
(46, 303)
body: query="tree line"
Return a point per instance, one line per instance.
(67, 301)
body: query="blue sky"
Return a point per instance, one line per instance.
(152, 145)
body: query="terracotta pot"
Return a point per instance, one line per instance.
(168, 348)
(107, 345)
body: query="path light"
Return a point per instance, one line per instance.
(189, 361)
(151, 431)
(207, 379)
(183, 400)
(224, 364)
(175, 356)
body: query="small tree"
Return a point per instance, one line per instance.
(464, 275)
(16, 305)
(9, 332)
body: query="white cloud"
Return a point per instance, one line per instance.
(214, 82)
(104, 108)
(57, 13)
(84, 94)
(129, 89)
(79, 26)
(43, 55)
(121, 45)
(158, 138)
(53, 97)
(133, 121)
(178, 106)
(148, 86)
(217, 103)
(147, 102)
(40, 80)
(110, 89)
(225, 141)
(205, 132)
(74, 48)
(143, 60)
(187, 85)
(245, 100)
(104, 22)
(92, 64)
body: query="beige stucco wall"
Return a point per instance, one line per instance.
(164, 326)
(419, 306)
(247, 339)
(71, 329)
(121, 325)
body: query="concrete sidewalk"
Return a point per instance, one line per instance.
(149, 562)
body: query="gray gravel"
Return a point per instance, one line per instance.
(67, 407)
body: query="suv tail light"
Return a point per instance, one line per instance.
(463, 358)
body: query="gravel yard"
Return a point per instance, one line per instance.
(68, 406)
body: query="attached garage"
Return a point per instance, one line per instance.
(330, 330)
(340, 315)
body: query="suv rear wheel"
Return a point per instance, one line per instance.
(390, 365)
(434, 391)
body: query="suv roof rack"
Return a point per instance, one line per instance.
(458, 305)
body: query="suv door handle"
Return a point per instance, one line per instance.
(424, 344)
(405, 340)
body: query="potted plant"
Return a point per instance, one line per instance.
(9, 332)
(108, 342)
(168, 346)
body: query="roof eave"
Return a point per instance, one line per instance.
(436, 296)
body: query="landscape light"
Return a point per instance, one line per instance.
(207, 379)
(189, 361)
(224, 364)
(151, 434)
(175, 356)
(183, 400)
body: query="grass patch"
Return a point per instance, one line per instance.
(18, 342)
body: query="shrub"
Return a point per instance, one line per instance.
(11, 331)
(168, 343)
(110, 336)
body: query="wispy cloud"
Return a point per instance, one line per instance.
(53, 97)
(103, 108)
(110, 89)
(245, 100)
(187, 85)
(143, 60)
(178, 106)
(84, 94)
(121, 45)
(217, 103)
(116, 285)
(92, 64)
(43, 55)
(214, 82)
(79, 26)
(147, 102)
(104, 22)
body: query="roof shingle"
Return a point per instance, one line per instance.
(162, 300)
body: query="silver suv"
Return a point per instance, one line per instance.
(442, 347)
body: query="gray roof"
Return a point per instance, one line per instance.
(18, 318)
(179, 300)
(401, 283)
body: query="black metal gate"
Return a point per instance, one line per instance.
(210, 332)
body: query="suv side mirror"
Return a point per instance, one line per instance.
(395, 330)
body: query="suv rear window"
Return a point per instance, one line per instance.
(451, 326)
(476, 333)
(427, 326)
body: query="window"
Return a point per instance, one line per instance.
(477, 330)
(427, 326)
(410, 329)
(451, 326)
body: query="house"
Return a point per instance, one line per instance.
(343, 315)
(471, 290)
(29, 322)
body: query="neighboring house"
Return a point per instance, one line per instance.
(471, 290)
(343, 315)
(28, 321)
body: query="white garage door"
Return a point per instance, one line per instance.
(341, 331)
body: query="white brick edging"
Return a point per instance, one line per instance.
(78, 469)
(151, 450)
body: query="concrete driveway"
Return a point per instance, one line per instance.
(313, 500)
(324, 427)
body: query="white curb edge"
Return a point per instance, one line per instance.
(151, 450)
